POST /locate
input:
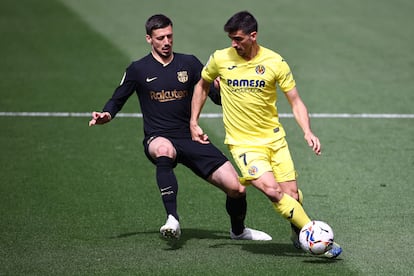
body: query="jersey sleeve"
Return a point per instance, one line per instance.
(285, 77)
(122, 93)
(197, 66)
(210, 71)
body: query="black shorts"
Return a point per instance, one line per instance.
(202, 159)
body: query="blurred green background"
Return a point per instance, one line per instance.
(83, 201)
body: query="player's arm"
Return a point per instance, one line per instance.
(302, 118)
(200, 95)
(121, 94)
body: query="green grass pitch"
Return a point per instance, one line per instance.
(76, 200)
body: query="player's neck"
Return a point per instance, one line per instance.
(162, 59)
(253, 53)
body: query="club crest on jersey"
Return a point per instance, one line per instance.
(253, 170)
(260, 69)
(182, 76)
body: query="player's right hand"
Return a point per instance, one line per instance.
(99, 118)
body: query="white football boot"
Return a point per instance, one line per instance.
(171, 229)
(251, 234)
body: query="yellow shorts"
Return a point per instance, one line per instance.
(253, 161)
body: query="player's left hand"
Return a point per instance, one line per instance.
(99, 118)
(314, 143)
(198, 135)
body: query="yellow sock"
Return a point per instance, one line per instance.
(291, 210)
(300, 197)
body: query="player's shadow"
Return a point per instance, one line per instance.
(263, 247)
(254, 247)
(130, 234)
(275, 249)
(199, 234)
(187, 234)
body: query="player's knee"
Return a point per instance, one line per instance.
(164, 151)
(273, 193)
(291, 189)
(236, 190)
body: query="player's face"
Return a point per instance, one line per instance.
(161, 41)
(243, 43)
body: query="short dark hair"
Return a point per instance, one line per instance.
(157, 21)
(243, 21)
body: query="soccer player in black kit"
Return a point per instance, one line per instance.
(164, 82)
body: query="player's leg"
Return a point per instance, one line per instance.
(286, 175)
(226, 178)
(209, 163)
(300, 196)
(283, 203)
(290, 187)
(255, 166)
(163, 155)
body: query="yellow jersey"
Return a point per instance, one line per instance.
(248, 92)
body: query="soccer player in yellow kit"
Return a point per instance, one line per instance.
(248, 75)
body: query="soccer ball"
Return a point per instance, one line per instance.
(316, 237)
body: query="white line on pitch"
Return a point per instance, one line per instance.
(210, 115)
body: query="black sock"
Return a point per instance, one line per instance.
(237, 208)
(295, 228)
(167, 183)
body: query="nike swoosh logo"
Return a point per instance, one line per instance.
(164, 189)
(151, 79)
(231, 67)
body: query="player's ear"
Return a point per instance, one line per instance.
(148, 38)
(253, 35)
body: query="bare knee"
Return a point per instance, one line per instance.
(231, 186)
(227, 179)
(290, 188)
(163, 150)
(272, 190)
(268, 185)
(274, 193)
(161, 146)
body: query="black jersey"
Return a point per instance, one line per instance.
(164, 93)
